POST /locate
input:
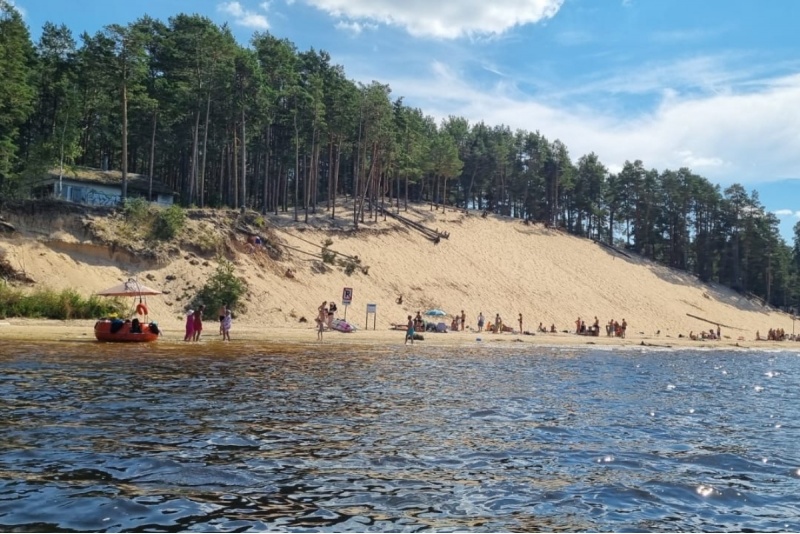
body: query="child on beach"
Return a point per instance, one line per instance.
(226, 322)
(320, 328)
(409, 331)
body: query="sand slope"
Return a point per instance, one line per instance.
(493, 265)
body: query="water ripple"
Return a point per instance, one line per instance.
(246, 437)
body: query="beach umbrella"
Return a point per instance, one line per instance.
(435, 313)
(131, 288)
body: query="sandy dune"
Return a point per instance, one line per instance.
(490, 265)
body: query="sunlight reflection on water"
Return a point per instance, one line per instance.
(99, 437)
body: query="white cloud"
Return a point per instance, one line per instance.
(445, 19)
(354, 27)
(744, 133)
(784, 213)
(245, 17)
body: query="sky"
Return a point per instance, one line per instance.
(712, 85)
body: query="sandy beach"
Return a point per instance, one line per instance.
(494, 265)
(248, 337)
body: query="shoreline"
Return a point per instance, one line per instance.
(50, 331)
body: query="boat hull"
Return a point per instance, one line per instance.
(105, 330)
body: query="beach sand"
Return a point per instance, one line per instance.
(490, 265)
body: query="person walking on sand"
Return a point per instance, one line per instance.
(198, 322)
(409, 331)
(480, 321)
(227, 321)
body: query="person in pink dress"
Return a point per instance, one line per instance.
(189, 326)
(198, 322)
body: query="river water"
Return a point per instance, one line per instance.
(234, 438)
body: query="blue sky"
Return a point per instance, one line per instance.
(713, 85)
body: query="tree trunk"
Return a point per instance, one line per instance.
(244, 161)
(202, 185)
(193, 168)
(336, 178)
(124, 142)
(151, 167)
(265, 207)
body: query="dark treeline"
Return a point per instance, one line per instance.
(279, 130)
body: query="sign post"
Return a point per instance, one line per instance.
(373, 309)
(347, 298)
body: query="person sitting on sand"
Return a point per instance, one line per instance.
(541, 328)
(553, 328)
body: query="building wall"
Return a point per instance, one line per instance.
(97, 194)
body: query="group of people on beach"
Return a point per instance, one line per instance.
(775, 334)
(194, 323)
(326, 313)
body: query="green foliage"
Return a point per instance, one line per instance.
(169, 222)
(48, 304)
(328, 256)
(224, 287)
(136, 210)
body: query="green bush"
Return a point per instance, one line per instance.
(169, 222)
(136, 210)
(328, 256)
(224, 287)
(49, 304)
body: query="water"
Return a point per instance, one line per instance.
(252, 438)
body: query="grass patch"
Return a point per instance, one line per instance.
(49, 304)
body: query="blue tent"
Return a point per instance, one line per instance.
(435, 313)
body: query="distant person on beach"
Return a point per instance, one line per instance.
(578, 325)
(463, 319)
(320, 327)
(198, 322)
(227, 321)
(418, 322)
(719, 332)
(553, 328)
(222, 312)
(623, 327)
(409, 331)
(520, 323)
(480, 321)
(322, 312)
(189, 326)
(498, 324)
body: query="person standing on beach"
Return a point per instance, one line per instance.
(223, 310)
(226, 323)
(520, 323)
(463, 319)
(498, 324)
(409, 331)
(189, 326)
(198, 322)
(480, 321)
(320, 328)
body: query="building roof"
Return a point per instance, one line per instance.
(136, 182)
